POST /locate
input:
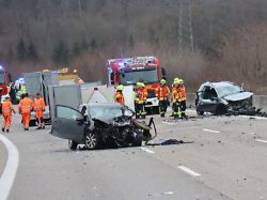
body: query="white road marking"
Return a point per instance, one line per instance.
(147, 150)
(259, 140)
(169, 123)
(168, 193)
(188, 171)
(253, 117)
(9, 173)
(210, 130)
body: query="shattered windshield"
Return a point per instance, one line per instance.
(131, 77)
(105, 111)
(228, 90)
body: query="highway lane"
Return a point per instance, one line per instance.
(3, 156)
(224, 162)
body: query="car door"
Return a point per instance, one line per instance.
(68, 124)
(209, 100)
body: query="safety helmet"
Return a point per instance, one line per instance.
(140, 84)
(120, 87)
(163, 81)
(181, 81)
(176, 81)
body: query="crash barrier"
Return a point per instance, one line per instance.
(190, 98)
(259, 101)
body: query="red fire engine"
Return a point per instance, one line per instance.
(128, 71)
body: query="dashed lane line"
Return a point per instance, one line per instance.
(147, 150)
(188, 171)
(210, 130)
(253, 117)
(9, 173)
(260, 140)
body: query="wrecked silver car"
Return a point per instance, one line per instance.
(223, 98)
(100, 126)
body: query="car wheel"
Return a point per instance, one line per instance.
(91, 140)
(32, 123)
(138, 140)
(221, 110)
(72, 145)
(200, 113)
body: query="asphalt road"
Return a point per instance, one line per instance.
(227, 159)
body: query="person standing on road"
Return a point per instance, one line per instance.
(179, 99)
(176, 108)
(182, 98)
(163, 93)
(140, 100)
(7, 110)
(39, 108)
(25, 108)
(118, 97)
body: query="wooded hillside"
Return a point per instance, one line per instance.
(229, 37)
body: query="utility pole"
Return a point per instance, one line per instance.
(185, 32)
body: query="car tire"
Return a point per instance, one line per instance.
(32, 123)
(220, 110)
(138, 142)
(91, 140)
(72, 145)
(200, 113)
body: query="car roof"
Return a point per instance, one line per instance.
(104, 104)
(217, 84)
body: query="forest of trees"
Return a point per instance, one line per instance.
(229, 37)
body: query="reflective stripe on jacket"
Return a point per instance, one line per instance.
(163, 92)
(178, 94)
(141, 95)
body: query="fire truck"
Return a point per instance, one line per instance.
(128, 71)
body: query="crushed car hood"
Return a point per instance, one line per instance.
(238, 96)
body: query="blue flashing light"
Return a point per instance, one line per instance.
(1, 67)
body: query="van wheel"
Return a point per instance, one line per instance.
(72, 145)
(91, 140)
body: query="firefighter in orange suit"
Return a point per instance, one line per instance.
(140, 100)
(7, 110)
(39, 108)
(25, 108)
(163, 93)
(118, 97)
(179, 99)
(182, 99)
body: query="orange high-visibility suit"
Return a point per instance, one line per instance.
(163, 92)
(7, 109)
(119, 98)
(141, 95)
(179, 100)
(39, 107)
(25, 108)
